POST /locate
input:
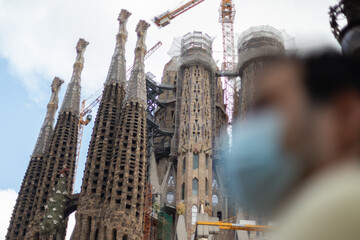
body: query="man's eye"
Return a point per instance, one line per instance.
(261, 104)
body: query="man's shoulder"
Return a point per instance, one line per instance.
(328, 207)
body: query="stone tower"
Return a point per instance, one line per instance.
(24, 209)
(162, 165)
(126, 187)
(92, 199)
(61, 152)
(195, 112)
(254, 47)
(193, 132)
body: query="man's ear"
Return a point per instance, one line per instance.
(347, 110)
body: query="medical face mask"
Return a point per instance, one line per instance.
(258, 169)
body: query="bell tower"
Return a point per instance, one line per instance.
(92, 201)
(61, 152)
(24, 209)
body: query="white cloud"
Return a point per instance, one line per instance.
(7, 203)
(38, 37)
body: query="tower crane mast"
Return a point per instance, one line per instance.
(84, 111)
(227, 16)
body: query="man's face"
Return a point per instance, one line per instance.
(280, 89)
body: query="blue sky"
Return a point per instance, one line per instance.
(20, 123)
(37, 43)
(21, 127)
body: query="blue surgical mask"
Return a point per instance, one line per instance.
(259, 170)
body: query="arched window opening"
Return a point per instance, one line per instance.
(183, 191)
(88, 230)
(206, 186)
(195, 187)
(215, 200)
(171, 181)
(97, 234)
(194, 213)
(195, 161)
(114, 233)
(214, 184)
(219, 215)
(184, 164)
(170, 197)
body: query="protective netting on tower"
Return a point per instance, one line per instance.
(191, 40)
(267, 32)
(262, 41)
(164, 226)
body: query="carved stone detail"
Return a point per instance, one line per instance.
(117, 70)
(136, 89)
(71, 101)
(48, 125)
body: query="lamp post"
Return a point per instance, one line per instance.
(349, 35)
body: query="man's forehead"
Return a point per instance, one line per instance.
(278, 76)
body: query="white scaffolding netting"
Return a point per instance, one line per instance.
(266, 31)
(175, 48)
(191, 40)
(262, 41)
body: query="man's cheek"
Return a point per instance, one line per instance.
(292, 134)
(323, 135)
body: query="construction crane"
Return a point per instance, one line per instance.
(85, 111)
(233, 223)
(237, 226)
(148, 54)
(164, 19)
(227, 16)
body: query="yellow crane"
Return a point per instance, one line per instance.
(210, 225)
(237, 226)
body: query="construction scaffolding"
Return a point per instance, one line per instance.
(226, 18)
(263, 41)
(147, 212)
(196, 47)
(259, 42)
(164, 229)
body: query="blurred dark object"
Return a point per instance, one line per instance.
(349, 35)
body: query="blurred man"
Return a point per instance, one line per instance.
(297, 157)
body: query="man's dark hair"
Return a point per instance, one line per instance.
(329, 74)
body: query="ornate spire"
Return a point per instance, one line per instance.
(71, 101)
(48, 125)
(136, 90)
(117, 70)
